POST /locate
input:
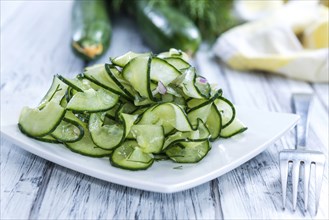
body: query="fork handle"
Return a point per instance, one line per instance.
(301, 106)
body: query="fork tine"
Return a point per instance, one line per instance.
(295, 178)
(319, 169)
(307, 168)
(284, 176)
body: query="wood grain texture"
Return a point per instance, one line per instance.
(33, 50)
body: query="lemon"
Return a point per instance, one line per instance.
(316, 35)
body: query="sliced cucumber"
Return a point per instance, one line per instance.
(138, 109)
(214, 123)
(93, 101)
(137, 73)
(99, 75)
(188, 152)
(120, 81)
(126, 58)
(47, 138)
(226, 109)
(200, 134)
(163, 71)
(177, 62)
(202, 86)
(233, 128)
(129, 121)
(106, 136)
(68, 131)
(78, 83)
(56, 92)
(168, 115)
(86, 146)
(174, 53)
(188, 84)
(37, 123)
(199, 113)
(130, 156)
(197, 103)
(113, 112)
(127, 108)
(150, 138)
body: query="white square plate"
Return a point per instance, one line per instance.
(164, 176)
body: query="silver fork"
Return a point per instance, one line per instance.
(300, 156)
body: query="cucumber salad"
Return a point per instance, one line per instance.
(138, 109)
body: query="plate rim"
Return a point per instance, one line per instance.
(139, 184)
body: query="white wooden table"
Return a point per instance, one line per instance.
(35, 38)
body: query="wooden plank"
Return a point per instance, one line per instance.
(34, 49)
(21, 176)
(256, 190)
(76, 196)
(322, 91)
(8, 10)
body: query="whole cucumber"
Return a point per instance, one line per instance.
(163, 27)
(91, 29)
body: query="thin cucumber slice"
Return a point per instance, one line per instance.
(150, 138)
(202, 86)
(226, 109)
(174, 53)
(233, 128)
(105, 136)
(128, 121)
(130, 156)
(55, 93)
(84, 117)
(126, 108)
(123, 84)
(69, 130)
(38, 123)
(188, 152)
(200, 134)
(188, 84)
(99, 75)
(173, 91)
(172, 114)
(126, 58)
(93, 101)
(177, 62)
(142, 102)
(197, 103)
(169, 115)
(86, 146)
(163, 72)
(63, 102)
(47, 138)
(194, 103)
(214, 123)
(161, 156)
(137, 73)
(113, 112)
(199, 113)
(78, 83)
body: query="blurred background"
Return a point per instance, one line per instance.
(288, 38)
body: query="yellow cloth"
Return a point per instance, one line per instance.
(272, 45)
